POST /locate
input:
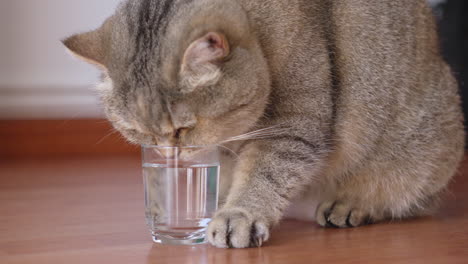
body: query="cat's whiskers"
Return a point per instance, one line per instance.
(256, 133)
(263, 129)
(230, 150)
(113, 131)
(259, 134)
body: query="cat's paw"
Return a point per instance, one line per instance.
(341, 215)
(233, 228)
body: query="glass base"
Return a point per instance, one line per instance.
(165, 240)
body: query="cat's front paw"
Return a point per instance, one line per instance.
(235, 228)
(342, 214)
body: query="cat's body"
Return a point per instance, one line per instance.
(363, 114)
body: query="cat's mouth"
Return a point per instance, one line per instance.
(193, 154)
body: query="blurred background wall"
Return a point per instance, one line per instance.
(38, 79)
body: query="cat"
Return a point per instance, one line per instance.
(347, 103)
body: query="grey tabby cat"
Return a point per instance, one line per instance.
(345, 103)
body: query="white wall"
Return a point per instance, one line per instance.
(38, 79)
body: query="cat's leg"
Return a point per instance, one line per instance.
(227, 160)
(384, 190)
(268, 175)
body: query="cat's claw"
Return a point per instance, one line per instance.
(237, 229)
(341, 215)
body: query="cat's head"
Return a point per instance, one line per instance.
(178, 72)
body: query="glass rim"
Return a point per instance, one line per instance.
(148, 146)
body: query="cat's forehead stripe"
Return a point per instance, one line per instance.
(151, 23)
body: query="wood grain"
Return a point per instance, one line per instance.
(90, 210)
(39, 138)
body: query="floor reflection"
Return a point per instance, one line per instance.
(204, 254)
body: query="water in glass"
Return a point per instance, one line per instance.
(180, 200)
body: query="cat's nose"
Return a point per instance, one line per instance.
(170, 140)
(166, 142)
(179, 133)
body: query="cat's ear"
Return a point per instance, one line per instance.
(87, 47)
(201, 64)
(92, 46)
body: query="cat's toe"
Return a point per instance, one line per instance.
(341, 215)
(237, 229)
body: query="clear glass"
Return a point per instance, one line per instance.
(181, 192)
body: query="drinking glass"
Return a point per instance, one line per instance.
(181, 192)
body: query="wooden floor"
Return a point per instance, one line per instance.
(76, 210)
